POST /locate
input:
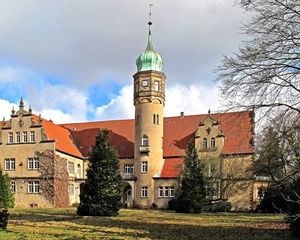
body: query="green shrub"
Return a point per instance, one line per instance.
(4, 218)
(294, 222)
(218, 206)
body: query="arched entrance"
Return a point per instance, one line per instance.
(128, 196)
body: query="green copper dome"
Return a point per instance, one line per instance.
(149, 59)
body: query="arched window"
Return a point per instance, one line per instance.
(213, 142)
(78, 170)
(145, 140)
(204, 143)
(157, 119)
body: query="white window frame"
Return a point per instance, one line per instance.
(145, 83)
(33, 187)
(144, 167)
(32, 136)
(145, 140)
(10, 137)
(144, 192)
(18, 137)
(25, 137)
(70, 167)
(33, 163)
(129, 169)
(10, 164)
(172, 191)
(213, 143)
(160, 191)
(71, 189)
(78, 170)
(156, 86)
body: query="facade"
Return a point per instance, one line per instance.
(47, 162)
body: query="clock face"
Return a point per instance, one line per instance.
(21, 123)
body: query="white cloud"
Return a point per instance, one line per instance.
(192, 99)
(57, 116)
(120, 107)
(5, 108)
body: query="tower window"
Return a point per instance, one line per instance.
(13, 186)
(145, 83)
(136, 87)
(156, 86)
(204, 143)
(144, 167)
(156, 119)
(145, 140)
(213, 142)
(144, 192)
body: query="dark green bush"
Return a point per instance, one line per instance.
(3, 218)
(218, 206)
(294, 222)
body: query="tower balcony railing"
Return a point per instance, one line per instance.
(144, 148)
(128, 176)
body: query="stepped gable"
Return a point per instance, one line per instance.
(236, 126)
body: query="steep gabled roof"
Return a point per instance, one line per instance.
(62, 137)
(236, 126)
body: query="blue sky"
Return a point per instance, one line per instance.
(74, 60)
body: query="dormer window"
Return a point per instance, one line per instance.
(145, 83)
(145, 140)
(204, 143)
(213, 143)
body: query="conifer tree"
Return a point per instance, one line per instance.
(6, 195)
(101, 193)
(190, 194)
(6, 199)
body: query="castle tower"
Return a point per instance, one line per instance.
(149, 100)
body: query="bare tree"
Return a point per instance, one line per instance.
(265, 73)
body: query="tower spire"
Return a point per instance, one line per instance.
(149, 45)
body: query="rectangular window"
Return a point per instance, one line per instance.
(71, 189)
(33, 187)
(144, 192)
(144, 167)
(145, 83)
(18, 137)
(70, 167)
(160, 191)
(13, 186)
(129, 169)
(32, 136)
(156, 86)
(10, 164)
(25, 137)
(166, 191)
(172, 191)
(30, 163)
(10, 137)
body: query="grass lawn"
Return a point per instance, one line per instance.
(143, 224)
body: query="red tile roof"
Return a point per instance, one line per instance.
(172, 167)
(62, 137)
(236, 126)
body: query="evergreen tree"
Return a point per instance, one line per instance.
(190, 194)
(6, 195)
(101, 193)
(6, 199)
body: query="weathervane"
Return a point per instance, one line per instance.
(150, 13)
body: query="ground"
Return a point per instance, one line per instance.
(143, 224)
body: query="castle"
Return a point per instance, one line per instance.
(47, 162)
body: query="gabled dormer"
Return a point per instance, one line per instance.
(209, 137)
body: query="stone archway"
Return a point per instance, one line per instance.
(128, 195)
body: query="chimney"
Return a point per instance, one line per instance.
(181, 114)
